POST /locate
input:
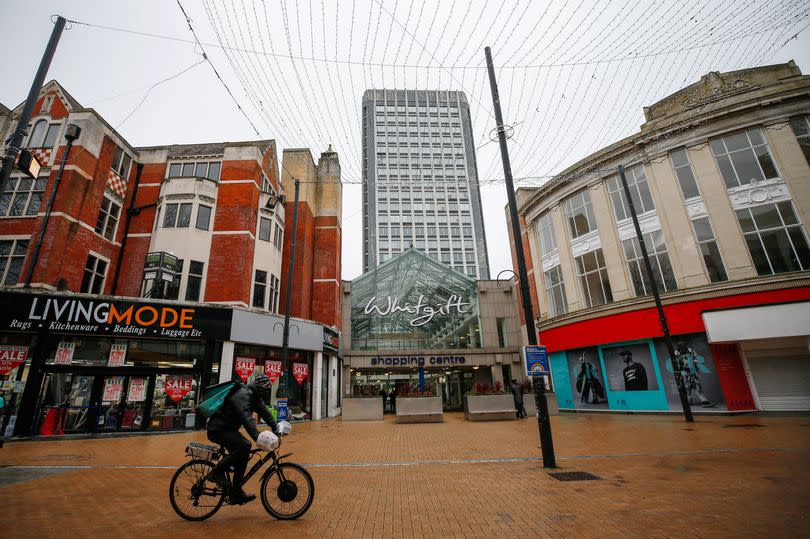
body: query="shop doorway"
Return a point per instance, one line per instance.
(324, 387)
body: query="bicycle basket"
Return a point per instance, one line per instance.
(202, 451)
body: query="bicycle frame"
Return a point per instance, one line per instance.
(271, 455)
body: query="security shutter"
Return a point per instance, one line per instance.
(781, 378)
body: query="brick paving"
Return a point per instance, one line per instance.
(660, 477)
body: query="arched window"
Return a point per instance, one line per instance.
(38, 134)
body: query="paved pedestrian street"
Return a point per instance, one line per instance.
(744, 476)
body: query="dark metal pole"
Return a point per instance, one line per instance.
(288, 301)
(538, 386)
(22, 126)
(132, 210)
(72, 135)
(687, 409)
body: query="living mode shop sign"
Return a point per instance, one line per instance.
(111, 317)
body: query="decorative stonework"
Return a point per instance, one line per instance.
(696, 208)
(713, 87)
(648, 222)
(551, 259)
(117, 184)
(756, 193)
(586, 243)
(43, 155)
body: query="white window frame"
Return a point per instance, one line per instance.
(550, 288)
(757, 232)
(656, 257)
(95, 273)
(195, 165)
(569, 209)
(121, 163)
(603, 278)
(751, 146)
(265, 286)
(105, 220)
(544, 224)
(706, 241)
(636, 181)
(12, 193)
(197, 217)
(685, 166)
(5, 265)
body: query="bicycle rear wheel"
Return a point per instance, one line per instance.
(191, 495)
(288, 491)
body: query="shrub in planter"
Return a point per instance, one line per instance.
(488, 389)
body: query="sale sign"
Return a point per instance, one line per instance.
(300, 371)
(137, 390)
(177, 386)
(118, 352)
(64, 353)
(113, 386)
(272, 369)
(12, 357)
(245, 367)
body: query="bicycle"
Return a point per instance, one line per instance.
(287, 483)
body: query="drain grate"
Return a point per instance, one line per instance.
(743, 426)
(573, 476)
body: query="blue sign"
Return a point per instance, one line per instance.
(536, 360)
(281, 407)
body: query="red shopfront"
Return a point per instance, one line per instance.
(588, 357)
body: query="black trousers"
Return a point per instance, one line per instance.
(521, 410)
(238, 453)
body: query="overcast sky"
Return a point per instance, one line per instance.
(573, 76)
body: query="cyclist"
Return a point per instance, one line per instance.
(223, 429)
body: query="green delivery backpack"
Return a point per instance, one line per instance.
(214, 397)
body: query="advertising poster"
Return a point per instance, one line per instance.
(118, 353)
(113, 386)
(177, 386)
(12, 357)
(64, 353)
(245, 367)
(630, 367)
(698, 372)
(587, 379)
(272, 369)
(300, 371)
(137, 390)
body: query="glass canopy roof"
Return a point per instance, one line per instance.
(413, 301)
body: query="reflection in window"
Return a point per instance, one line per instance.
(593, 279)
(708, 248)
(801, 129)
(12, 256)
(775, 238)
(555, 290)
(579, 213)
(743, 157)
(639, 191)
(659, 260)
(683, 170)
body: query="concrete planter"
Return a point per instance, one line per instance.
(419, 410)
(531, 409)
(489, 407)
(370, 409)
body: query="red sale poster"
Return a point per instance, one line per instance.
(177, 386)
(12, 357)
(118, 353)
(113, 386)
(245, 367)
(272, 369)
(137, 390)
(64, 353)
(300, 371)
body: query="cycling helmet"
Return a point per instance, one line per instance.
(262, 384)
(267, 440)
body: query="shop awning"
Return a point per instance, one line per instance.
(764, 322)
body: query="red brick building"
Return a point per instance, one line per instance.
(213, 209)
(207, 204)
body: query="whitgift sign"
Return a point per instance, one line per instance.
(91, 316)
(422, 312)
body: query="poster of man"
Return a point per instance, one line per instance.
(587, 379)
(697, 369)
(630, 368)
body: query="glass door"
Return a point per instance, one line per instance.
(66, 404)
(110, 404)
(324, 387)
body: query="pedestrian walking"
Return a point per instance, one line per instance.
(517, 394)
(384, 396)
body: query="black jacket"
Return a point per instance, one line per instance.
(237, 411)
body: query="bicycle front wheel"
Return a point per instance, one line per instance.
(192, 496)
(287, 491)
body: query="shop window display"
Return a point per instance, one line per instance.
(173, 402)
